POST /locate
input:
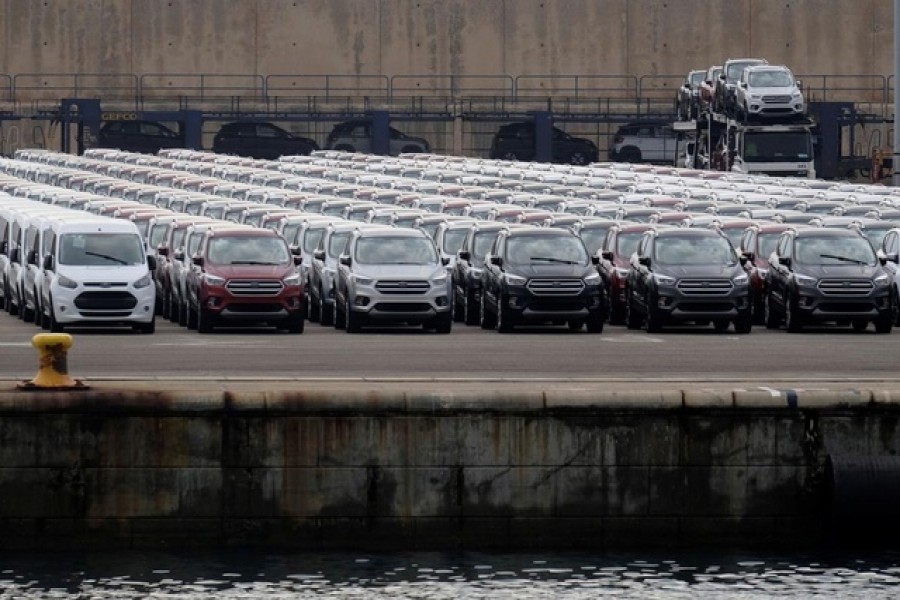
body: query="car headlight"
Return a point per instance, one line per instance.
(67, 283)
(882, 280)
(292, 279)
(663, 279)
(361, 280)
(592, 279)
(804, 281)
(213, 280)
(439, 279)
(143, 282)
(513, 279)
(741, 279)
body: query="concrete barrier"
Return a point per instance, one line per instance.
(326, 468)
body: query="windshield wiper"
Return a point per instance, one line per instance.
(554, 260)
(844, 259)
(253, 262)
(107, 257)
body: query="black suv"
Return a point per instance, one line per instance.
(138, 136)
(541, 275)
(688, 275)
(469, 266)
(260, 140)
(516, 141)
(827, 275)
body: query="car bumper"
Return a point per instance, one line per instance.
(820, 308)
(78, 305)
(527, 306)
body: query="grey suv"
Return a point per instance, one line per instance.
(649, 141)
(356, 136)
(687, 275)
(390, 275)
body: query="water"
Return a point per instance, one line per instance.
(436, 576)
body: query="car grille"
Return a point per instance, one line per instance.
(254, 287)
(846, 307)
(254, 307)
(405, 288)
(402, 307)
(555, 287)
(776, 99)
(556, 306)
(845, 287)
(705, 307)
(705, 287)
(105, 284)
(105, 301)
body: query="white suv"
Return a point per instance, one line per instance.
(768, 91)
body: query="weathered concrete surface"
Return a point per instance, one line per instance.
(331, 465)
(441, 37)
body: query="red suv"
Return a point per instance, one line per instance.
(245, 276)
(615, 261)
(756, 246)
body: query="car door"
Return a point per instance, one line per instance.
(640, 273)
(779, 274)
(493, 274)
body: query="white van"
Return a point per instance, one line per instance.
(96, 272)
(20, 215)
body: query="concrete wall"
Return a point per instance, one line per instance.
(427, 37)
(411, 470)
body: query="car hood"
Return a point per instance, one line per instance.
(251, 271)
(400, 271)
(686, 271)
(773, 91)
(831, 271)
(551, 270)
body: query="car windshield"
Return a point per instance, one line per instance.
(531, 249)
(734, 235)
(788, 146)
(483, 243)
(833, 251)
(453, 239)
(395, 251)
(248, 251)
(769, 79)
(767, 242)
(593, 238)
(627, 243)
(96, 249)
(875, 235)
(157, 233)
(337, 242)
(694, 250)
(311, 239)
(289, 231)
(734, 70)
(697, 78)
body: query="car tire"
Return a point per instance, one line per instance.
(578, 158)
(26, 313)
(339, 318)
(513, 156)
(859, 325)
(744, 323)
(575, 325)
(313, 315)
(487, 319)
(504, 316)
(721, 324)
(326, 313)
(630, 154)
(770, 317)
(595, 322)
(459, 310)
(182, 314)
(443, 323)
(471, 309)
(652, 321)
(616, 312)
(758, 312)
(191, 318)
(204, 321)
(792, 320)
(55, 326)
(296, 322)
(45, 318)
(884, 324)
(413, 149)
(352, 321)
(632, 318)
(147, 328)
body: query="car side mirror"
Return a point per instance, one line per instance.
(892, 257)
(445, 260)
(179, 255)
(799, 84)
(298, 260)
(606, 255)
(151, 263)
(644, 260)
(14, 255)
(496, 261)
(785, 261)
(744, 84)
(346, 260)
(48, 263)
(748, 257)
(162, 250)
(464, 255)
(295, 250)
(197, 260)
(32, 258)
(319, 255)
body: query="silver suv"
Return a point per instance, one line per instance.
(768, 91)
(392, 276)
(649, 141)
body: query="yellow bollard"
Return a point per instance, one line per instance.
(53, 372)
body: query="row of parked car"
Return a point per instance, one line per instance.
(744, 89)
(425, 239)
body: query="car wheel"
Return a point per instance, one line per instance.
(770, 317)
(191, 318)
(45, 318)
(792, 320)
(504, 316)
(721, 325)
(313, 311)
(630, 155)
(471, 309)
(204, 321)
(352, 321)
(632, 318)
(340, 314)
(443, 323)
(859, 324)
(616, 312)
(38, 311)
(758, 313)
(575, 325)
(652, 322)
(182, 314)
(895, 307)
(55, 326)
(884, 324)
(743, 323)
(578, 158)
(510, 156)
(27, 313)
(326, 313)
(488, 320)
(595, 322)
(459, 310)
(146, 327)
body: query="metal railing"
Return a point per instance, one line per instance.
(327, 85)
(621, 87)
(857, 88)
(6, 88)
(452, 86)
(659, 87)
(37, 86)
(202, 85)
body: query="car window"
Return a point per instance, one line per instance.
(395, 251)
(248, 250)
(694, 250)
(100, 249)
(268, 131)
(833, 251)
(543, 249)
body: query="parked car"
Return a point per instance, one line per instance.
(724, 97)
(756, 246)
(828, 275)
(356, 136)
(246, 276)
(541, 275)
(138, 136)
(687, 98)
(392, 275)
(686, 275)
(766, 92)
(708, 88)
(619, 244)
(516, 141)
(260, 140)
(649, 141)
